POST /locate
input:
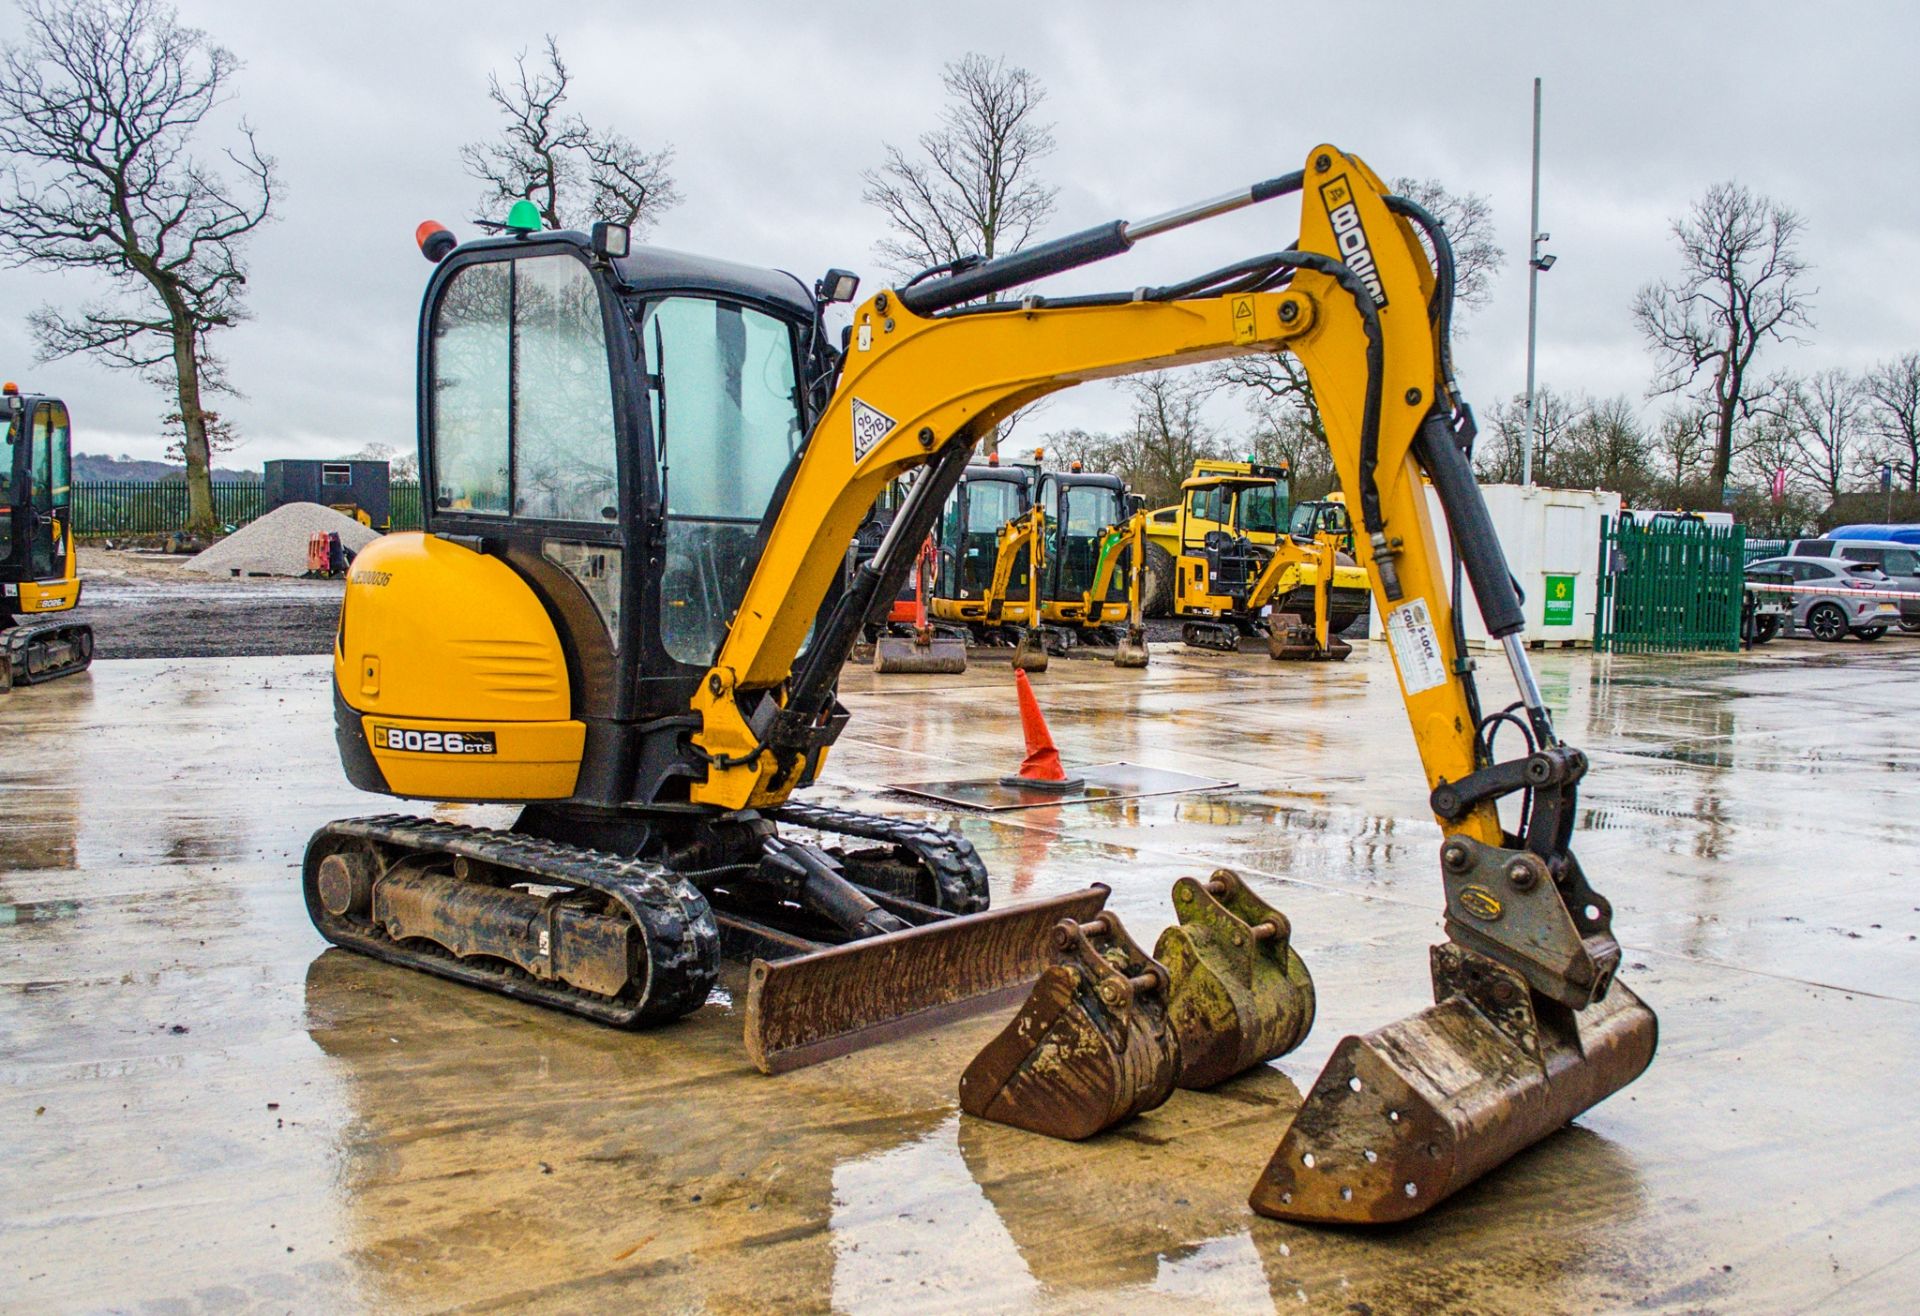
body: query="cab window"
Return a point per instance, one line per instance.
(725, 405)
(521, 393)
(1260, 509)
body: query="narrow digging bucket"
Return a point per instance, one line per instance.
(1132, 649)
(1291, 638)
(1030, 650)
(1091, 1046)
(1409, 1114)
(933, 656)
(1241, 995)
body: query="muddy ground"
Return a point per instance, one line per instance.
(146, 605)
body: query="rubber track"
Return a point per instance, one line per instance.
(959, 876)
(682, 939)
(19, 639)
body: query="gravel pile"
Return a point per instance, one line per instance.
(276, 544)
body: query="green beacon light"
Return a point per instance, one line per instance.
(523, 218)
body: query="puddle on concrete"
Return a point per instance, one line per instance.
(37, 911)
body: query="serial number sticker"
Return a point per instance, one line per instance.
(57, 602)
(433, 742)
(1416, 647)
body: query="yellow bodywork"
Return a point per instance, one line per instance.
(450, 649)
(950, 379)
(60, 593)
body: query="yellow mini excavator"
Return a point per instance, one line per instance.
(628, 613)
(39, 567)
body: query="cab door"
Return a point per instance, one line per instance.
(49, 493)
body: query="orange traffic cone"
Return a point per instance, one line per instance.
(1041, 769)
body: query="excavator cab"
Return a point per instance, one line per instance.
(989, 498)
(39, 568)
(1086, 515)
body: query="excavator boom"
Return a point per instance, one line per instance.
(1524, 983)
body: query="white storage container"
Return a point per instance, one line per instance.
(1552, 541)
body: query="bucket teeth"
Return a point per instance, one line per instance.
(1411, 1113)
(1241, 995)
(1090, 1047)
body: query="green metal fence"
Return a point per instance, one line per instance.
(403, 506)
(134, 507)
(1759, 548)
(1671, 587)
(129, 507)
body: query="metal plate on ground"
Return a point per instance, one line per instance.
(1105, 781)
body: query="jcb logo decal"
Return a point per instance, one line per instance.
(1351, 237)
(433, 742)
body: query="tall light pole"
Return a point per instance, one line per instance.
(1537, 264)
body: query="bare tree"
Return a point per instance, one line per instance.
(573, 172)
(1167, 433)
(99, 108)
(1605, 448)
(972, 188)
(1825, 417)
(1503, 440)
(1468, 221)
(1893, 413)
(1742, 283)
(1680, 450)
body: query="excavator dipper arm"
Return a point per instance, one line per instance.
(1533, 1025)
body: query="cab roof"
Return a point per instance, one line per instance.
(660, 270)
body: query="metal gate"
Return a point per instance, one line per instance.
(1669, 587)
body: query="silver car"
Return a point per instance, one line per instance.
(1900, 561)
(1832, 598)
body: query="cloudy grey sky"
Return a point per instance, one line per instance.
(775, 108)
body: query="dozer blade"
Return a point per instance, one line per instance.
(826, 1002)
(1411, 1113)
(921, 656)
(1090, 1047)
(1292, 639)
(1241, 994)
(45, 651)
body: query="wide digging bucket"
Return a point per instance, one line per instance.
(1292, 638)
(1091, 1046)
(1241, 995)
(1132, 649)
(919, 655)
(1409, 1114)
(822, 1002)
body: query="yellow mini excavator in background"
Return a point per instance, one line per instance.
(39, 565)
(628, 613)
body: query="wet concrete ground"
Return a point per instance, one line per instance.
(206, 1111)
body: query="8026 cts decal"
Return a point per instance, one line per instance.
(433, 742)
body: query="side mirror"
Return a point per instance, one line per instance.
(837, 286)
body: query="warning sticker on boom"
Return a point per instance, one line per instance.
(870, 425)
(1416, 647)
